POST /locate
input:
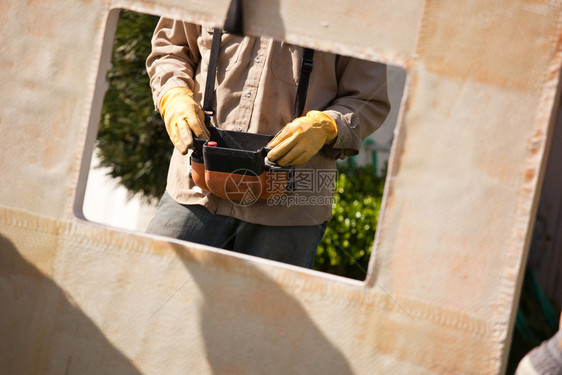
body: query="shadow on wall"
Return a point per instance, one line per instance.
(42, 332)
(269, 332)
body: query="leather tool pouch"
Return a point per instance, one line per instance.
(237, 168)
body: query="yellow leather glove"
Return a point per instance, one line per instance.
(302, 138)
(182, 116)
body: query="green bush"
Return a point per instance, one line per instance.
(346, 246)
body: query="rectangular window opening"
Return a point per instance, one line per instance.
(132, 152)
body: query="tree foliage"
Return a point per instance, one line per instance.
(132, 139)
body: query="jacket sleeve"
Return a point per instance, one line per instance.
(361, 104)
(174, 57)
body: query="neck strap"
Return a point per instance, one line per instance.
(306, 69)
(209, 98)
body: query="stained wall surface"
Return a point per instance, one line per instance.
(466, 166)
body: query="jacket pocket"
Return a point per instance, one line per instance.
(230, 48)
(285, 62)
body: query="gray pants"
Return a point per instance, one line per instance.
(289, 244)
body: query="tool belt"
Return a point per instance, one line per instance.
(233, 165)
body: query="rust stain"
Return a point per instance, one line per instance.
(400, 338)
(39, 24)
(529, 174)
(498, 43)
(536, 142)
(5, 7)
(58, 135)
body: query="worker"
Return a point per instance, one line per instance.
(545, 359)
(255, 89)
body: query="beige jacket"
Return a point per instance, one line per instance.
(256, 86)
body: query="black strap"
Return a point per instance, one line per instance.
(208, 100)
(306, 69)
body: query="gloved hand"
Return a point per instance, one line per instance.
(302, 138)
(182, 116)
